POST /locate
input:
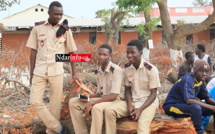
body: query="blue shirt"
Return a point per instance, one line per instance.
(186, 88)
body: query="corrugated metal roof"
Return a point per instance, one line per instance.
(94, 22)
(28, 17)
(188, 19)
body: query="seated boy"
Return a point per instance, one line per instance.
(110, 79)
(141, 83)
(181, 101)
(187, 65)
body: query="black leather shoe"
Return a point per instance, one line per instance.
(64, 130)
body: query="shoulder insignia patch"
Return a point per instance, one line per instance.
(96, 71)
(39, 23)
(127, 65)
(111, 69)
(149, 67)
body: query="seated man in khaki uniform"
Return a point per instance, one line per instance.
(141, 83)
(44, 69)
(110, 82)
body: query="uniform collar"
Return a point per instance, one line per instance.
(107, 68)
(141, 63)
(47, 22)
(197, 84)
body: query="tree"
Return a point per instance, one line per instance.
(9, 3)
(112, 19)
(175, 38)
(144, 29)
(2, 28)
(112, 25)
(103, 13)
(202, 3)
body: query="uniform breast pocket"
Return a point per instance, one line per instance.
(143, 83)
(109, 83)
(60, 42)
(41, 41)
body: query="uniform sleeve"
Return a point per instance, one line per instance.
(70, 43)
(32, 40)
(117, 80)
(203, 94)
(126, 81)
(98, 84)
(154, 80)
(188, 90)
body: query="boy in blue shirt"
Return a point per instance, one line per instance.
(181, 100)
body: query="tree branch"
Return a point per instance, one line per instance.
(20, 125)
(120, 18)
(16, 81)
(13, 107)
(187, 29)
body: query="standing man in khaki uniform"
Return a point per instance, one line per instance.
(44, 69)
(111, 87)
(141, 83)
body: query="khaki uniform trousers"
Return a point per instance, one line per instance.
(119, 110)
(51, 116)
(76, 110)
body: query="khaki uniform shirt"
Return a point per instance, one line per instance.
(111, 80)
(45, 34)
(143, 79)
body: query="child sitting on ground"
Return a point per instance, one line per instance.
(181, 101)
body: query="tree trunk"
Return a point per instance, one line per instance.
(108, 39)
(114, 25)
(174, 38)
(173, 43)
(146, 50)
(116, 36)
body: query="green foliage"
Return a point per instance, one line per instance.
(104, 12)
(9, 3)
(202, 3)
(106, 20)
(153, 23)
(136, 5)
(180, 22)
(140, 6)
(121, 25)
(141, 29)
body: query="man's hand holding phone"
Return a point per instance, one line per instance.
(84, 97)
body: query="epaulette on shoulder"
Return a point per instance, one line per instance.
(39, 23)
(96, 71)
(127, 65)
(149, 67)
(112, 69)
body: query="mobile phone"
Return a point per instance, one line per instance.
(83, 97)
(133, 116)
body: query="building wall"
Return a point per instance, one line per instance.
(101, 37)
(36, 13)
(157, 38)
(81, 38)
(127, 36)
(201, 37)
(183, 11)
(13, 41)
